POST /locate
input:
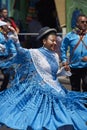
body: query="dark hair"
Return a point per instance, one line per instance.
(1, 10)
(46, 36)
(81, 15)
(7, 20)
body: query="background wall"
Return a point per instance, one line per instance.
(60, 7)
(18, 9)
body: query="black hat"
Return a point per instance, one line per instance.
(45, 30)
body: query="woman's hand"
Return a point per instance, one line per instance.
(66, 66)
(84, 58)
(12, 29)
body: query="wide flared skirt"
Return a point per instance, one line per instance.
(36, 109)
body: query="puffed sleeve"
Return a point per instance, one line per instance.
(8, 52)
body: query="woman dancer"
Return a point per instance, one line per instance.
(35, 99)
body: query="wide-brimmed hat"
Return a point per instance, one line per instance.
(2, 23)
(44, 31)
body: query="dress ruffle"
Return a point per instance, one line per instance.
(35, 107)
(31, 102)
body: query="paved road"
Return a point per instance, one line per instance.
(5, 128)
(63, 80)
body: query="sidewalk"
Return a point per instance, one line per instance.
(65, 81)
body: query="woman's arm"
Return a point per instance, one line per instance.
(7, 53)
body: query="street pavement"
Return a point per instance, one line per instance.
(63, 80)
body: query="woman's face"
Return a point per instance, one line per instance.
(50, 42)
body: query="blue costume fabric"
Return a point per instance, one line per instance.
(35, 100)
(75, 57)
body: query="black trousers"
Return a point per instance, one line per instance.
(78, 79)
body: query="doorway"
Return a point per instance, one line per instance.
(47, 14)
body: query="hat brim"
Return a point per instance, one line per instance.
(2, 23)
(46, 32)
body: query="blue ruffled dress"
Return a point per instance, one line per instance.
(35, 100)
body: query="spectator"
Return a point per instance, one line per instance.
(34, 26)
(59, 40)
(76, 40)
(4, 16)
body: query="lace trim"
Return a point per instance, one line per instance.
(44, 69)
